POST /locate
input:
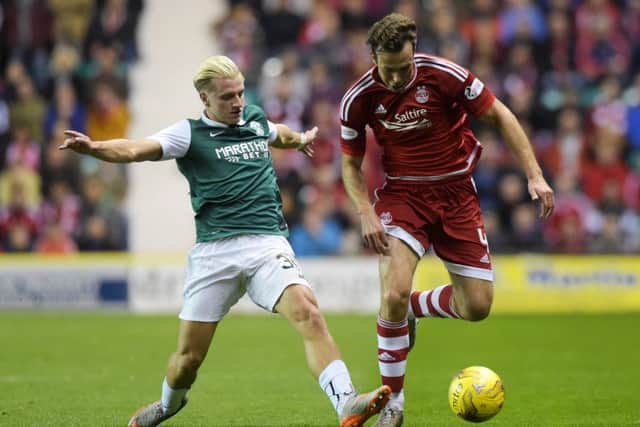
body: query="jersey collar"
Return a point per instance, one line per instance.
(214, 123)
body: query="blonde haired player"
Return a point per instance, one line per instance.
(241, 246)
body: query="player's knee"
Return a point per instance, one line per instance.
(189, 361)
(307, 314)
(395, 299)
(478, 308)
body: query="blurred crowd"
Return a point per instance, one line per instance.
(569, 70)
(64, 66)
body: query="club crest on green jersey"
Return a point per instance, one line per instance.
(257, 128)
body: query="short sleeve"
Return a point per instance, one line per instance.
(460, 84)
(175, 140)
(475, 96)
(353, 121)
(273, 131)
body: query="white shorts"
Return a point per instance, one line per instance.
(221, 271)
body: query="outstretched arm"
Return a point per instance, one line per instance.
(354, 183)
(113, 150)
(302, 141)
(501, 117)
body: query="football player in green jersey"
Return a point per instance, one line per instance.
(241, 237)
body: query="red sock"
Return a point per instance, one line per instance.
(393, 346)
(436, 302)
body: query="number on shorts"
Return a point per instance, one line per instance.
(483, 237)
(287, 261)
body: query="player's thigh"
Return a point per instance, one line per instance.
(297, 303)
(213, 281)
(397, 269)
(459, 238)
(274, 272)
(471, 289)
(398, 213)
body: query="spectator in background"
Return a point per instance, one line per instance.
(55, 240)
(108, 116)
(560, 45)
(489, 167)
(19, 225)
(631, 24)
(525, 230)
(604, 164)
(4, 127)
(242, 39)
(63, 64)
(574, 212)
(71, 19)
(522, 20)
(22, 148)
(282, 25)
(16, 238)
(61, 207)
(42, 42)
(445, 39)
(318, 234)
(500, 239)
(321, 33)
(355, 14)
(18, 178)
(29, 108)
(65, 108)
(94, 235)
(27, 27)
(104, 226)
(322, 112)
(632, 98)
(601, 46)
(104, 66)
(511, 192)
(567, 148)
(116, 21)
(58, 165)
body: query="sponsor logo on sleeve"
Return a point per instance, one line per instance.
(348, 133)
(474, 90)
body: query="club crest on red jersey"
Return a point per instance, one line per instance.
(422, 95)
(386, 218)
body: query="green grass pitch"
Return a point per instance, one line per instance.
(88, 369)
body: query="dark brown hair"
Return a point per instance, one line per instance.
(391, 32)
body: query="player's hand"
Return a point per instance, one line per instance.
(78, 142)
(540, 190)
(373, 233)
(306, 141)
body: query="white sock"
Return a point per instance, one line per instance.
(397, 400)
(335, 381)
(171, 398)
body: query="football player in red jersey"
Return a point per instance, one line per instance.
(417, 107)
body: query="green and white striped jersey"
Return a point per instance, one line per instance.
(232, 182)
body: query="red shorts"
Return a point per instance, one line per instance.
(443, 214)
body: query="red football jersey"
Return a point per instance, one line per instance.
(423, 128)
